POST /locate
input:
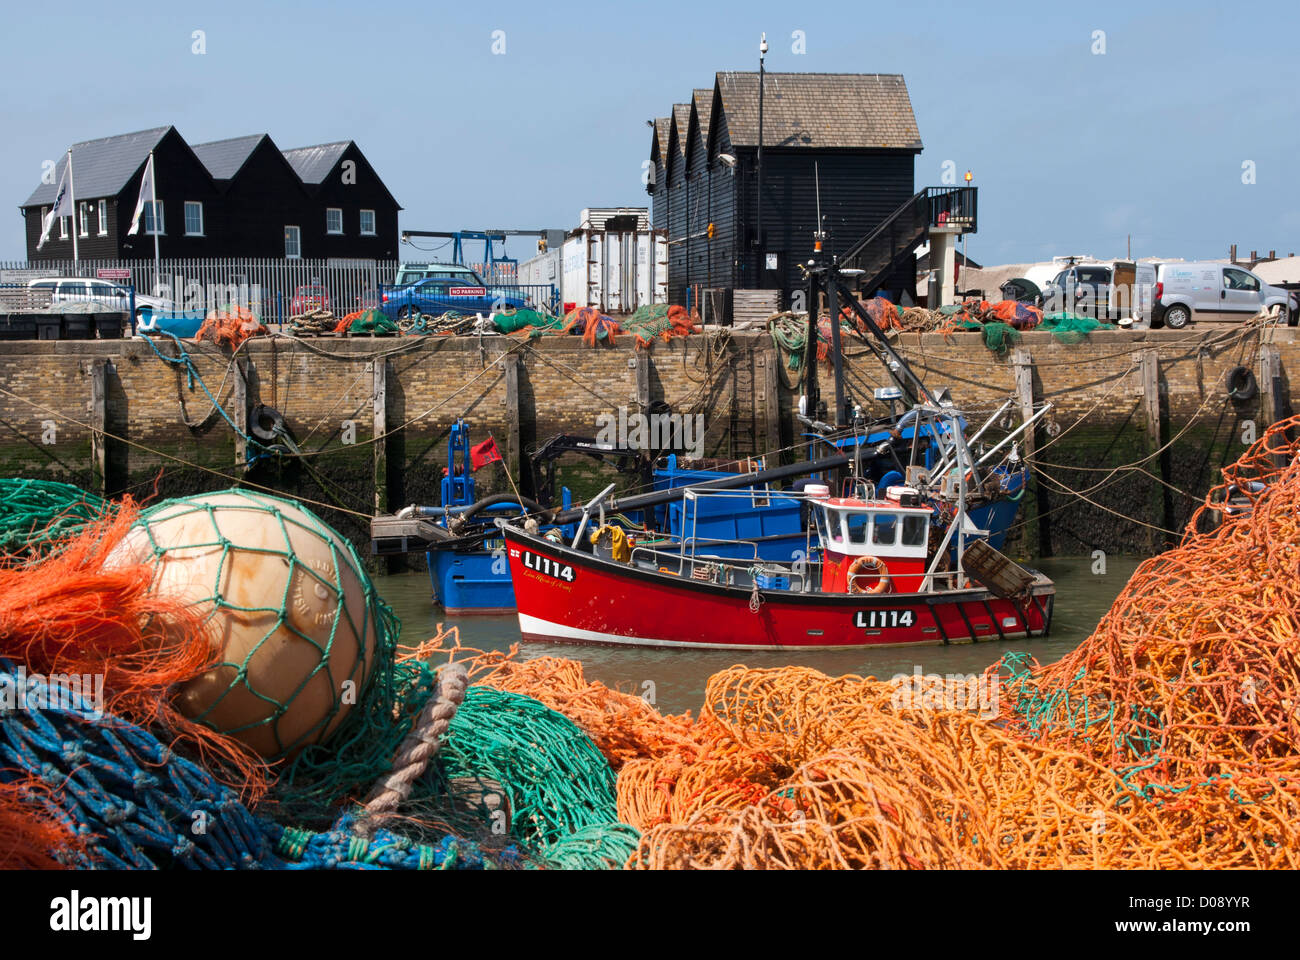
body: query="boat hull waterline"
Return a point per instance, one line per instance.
(567, 596)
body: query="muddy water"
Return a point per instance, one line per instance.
(676, 678)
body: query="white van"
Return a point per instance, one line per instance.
(1210, 290)
(1107, 290)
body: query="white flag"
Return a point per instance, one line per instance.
(146, 194)
(62, 206)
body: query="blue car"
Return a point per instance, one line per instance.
(440, 295)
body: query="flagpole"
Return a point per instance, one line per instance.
(76, 227)
(157, 264)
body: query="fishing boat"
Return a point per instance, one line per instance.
(880, 580)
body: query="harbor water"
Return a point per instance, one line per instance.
(674, 679)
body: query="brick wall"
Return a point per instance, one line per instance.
(564, 386)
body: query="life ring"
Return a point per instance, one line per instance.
(1242, 384)
(864, 566)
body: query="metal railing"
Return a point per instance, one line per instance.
(267, 287)
(900, 232)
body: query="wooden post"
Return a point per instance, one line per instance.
(769, 360)
(98, 420)
(240, 413)
(1038, 529)
(1161, 496)
(379, 406)
(643, 380)
(513, 447)
(1271, 402)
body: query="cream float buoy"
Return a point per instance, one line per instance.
(290, 612)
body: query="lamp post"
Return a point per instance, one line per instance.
(758, 230)
(969, 178)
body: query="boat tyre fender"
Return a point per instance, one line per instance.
(865, 566)
(1242, 384)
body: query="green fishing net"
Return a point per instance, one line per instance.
(34, 513)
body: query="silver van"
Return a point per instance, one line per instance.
(1209, 290)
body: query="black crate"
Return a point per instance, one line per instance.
(79, 326)
(17, 326)
(109, 325)
(49, 326)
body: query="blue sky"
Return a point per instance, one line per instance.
(1072, 150)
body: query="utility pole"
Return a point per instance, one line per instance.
(758, 230)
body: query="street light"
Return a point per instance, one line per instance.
(969, 177)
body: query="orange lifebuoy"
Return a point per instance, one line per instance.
(864, 566)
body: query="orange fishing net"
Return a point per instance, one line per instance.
(28, 833)
(230, 326)
(1168, 739)
(77, 612)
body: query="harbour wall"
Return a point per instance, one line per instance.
(1140, 422)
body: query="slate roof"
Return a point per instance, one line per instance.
(704, 106)
(223, 158)
(661, 133)
(101, 168)
(682, 117)
(854, 110)
(313, 164)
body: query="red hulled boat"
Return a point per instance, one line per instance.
(878, 582)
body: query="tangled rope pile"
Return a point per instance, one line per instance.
(230, 326)
(313, 322)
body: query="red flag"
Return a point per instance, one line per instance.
(481, 454)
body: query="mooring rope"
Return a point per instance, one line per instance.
(419, 747)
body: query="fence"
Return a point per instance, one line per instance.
(267, 287)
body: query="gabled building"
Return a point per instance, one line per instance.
(854, 133)
(241, 197)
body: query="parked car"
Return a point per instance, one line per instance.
(308, 298)
(445, 295)
(1108, 291)
(105, 293)
(1209, 290)
(409, 273)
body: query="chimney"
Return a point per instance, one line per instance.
(1253, 256)
(1272, 254)
(1232, 253)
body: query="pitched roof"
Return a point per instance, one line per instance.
(223, 158)
(704, 106)
(862, 110)
(661, 135)
(312, 164)
(682, 120)
(101, 168)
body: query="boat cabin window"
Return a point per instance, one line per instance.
(828, 525)
(916, 530)
(857, 524)
(885, 531)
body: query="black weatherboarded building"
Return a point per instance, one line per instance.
(242, 197)
(854, 132)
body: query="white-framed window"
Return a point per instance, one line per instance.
(333, 220)
(292, 243)
(83, 214)
(103, 218)
(45, 215)
(367, 223)
(150, 226)
(193, 218)
(63, 228)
